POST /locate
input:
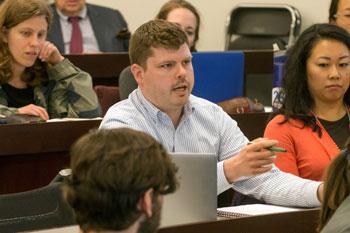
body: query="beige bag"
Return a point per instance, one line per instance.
(241, 105)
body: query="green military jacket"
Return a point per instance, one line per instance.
(68, 93)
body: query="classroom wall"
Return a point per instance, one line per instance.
(213, 15)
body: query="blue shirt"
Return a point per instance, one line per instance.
(206, 128)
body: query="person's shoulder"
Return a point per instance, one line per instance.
(280, 122)
(123, 114)
(53, 10)
(92, 8)
(278, 118)
(123, 108)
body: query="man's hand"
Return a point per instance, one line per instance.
(253, 159)
(34, 110)
(320, 192)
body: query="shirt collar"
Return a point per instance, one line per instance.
(154, 112)
(82, 14)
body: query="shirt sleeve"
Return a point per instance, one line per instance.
(274, 187)
(231, 141)
(280, 188)
(72, 95)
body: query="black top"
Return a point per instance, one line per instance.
(338, 130)
(16, 97)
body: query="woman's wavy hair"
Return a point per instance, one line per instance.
(12, 13)
(298, 101)
(336, 186)
(174, 4)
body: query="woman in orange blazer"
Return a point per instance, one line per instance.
(313, 123)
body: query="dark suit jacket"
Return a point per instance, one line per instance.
(106, 24)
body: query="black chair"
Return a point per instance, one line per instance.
(126, 83)
(36, 209)
(259, 26)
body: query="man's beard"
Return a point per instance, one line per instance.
(150, 225)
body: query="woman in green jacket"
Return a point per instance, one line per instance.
(35, 79)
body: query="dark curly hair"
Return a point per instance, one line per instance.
(298, 101)
(111, 170)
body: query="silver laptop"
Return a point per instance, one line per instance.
(196, 198)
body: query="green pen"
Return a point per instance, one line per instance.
(273, 148)
(277, 149)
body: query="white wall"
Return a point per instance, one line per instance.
(213, 15)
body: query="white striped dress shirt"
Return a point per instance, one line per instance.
(206, 128)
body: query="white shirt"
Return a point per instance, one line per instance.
(206, 128)
(90, 44)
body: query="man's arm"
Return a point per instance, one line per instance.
(280, 188)
(253, 159)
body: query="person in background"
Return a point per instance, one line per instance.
(163, 107)
(313, 123)
(118, 180)
(186, 16)
(183, 14)
(335, 209)
(339, 14)
(35, 79)
(99, 29)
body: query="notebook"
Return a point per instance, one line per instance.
(196, 198)
(252, 210)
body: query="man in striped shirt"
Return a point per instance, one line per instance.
(163, 107)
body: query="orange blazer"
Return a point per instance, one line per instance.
(307, 154)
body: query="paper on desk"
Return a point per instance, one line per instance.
(253, 209)
(73, 119)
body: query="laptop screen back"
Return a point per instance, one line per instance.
(196, 198)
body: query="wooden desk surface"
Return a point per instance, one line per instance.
(32, 154)
(106, 67)
(294, 222)
(103, 67)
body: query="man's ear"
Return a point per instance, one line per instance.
(137, 71)
(145, 203)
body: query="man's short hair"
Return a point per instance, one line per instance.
(154, 34)
(111, 171)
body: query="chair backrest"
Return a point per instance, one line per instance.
(127, 83)
(107, 96)
(34, 210)
(218, 76)
(259, 26)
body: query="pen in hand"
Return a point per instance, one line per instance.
(277, 149)
(273, 148)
